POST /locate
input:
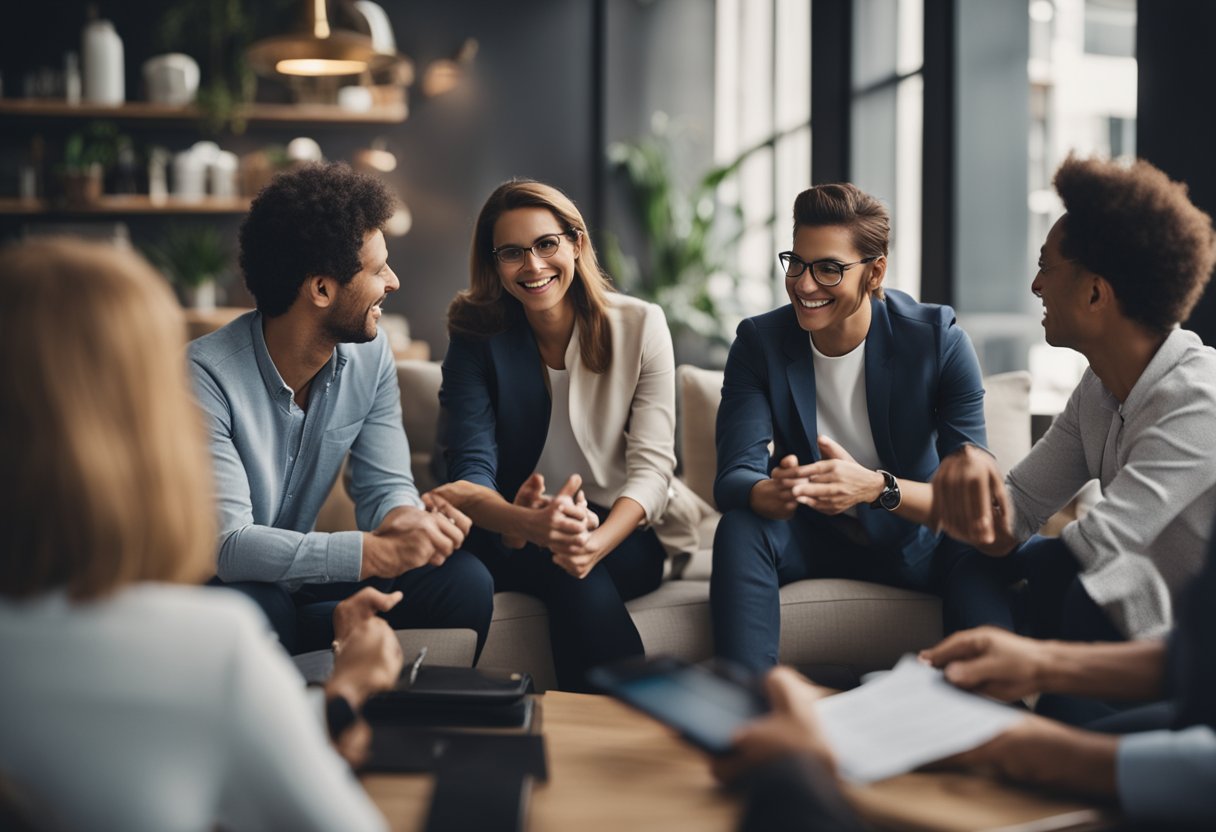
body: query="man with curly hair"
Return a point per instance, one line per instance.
(1119, 271)
(294, 387)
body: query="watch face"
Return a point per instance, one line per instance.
(889, 500)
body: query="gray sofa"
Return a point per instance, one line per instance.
(851, 626)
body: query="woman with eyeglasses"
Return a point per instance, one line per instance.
(557, 427)
(861, 392)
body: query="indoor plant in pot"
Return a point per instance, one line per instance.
(194, 258)
(86, 155)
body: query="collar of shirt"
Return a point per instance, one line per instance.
(275, 386)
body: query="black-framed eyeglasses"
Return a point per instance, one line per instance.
(543, 248)
(825, 272)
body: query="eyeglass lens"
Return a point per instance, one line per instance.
(544, 248)
(824, 271)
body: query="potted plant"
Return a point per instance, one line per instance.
(690, 236)
(216, 33)
(194, 258)
(86, 155)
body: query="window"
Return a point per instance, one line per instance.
(762, 92)
(887, 123)
(1082, 74)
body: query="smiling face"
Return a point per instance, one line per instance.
(1059, 285)
(352, 318)
(539, 283)
(838, 317)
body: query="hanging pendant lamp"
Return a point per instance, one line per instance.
(318, 49)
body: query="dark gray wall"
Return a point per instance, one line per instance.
(1175, 128)
(530, 108)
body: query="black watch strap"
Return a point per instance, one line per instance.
(339, 715)
(889, 498)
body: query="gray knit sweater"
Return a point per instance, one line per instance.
(1155, 457)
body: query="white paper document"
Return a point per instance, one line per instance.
(907, 718)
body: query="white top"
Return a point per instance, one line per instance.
(1147, 537)
(164, 708)
(562, 455)
(841, 411)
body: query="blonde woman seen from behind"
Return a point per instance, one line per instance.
(131, 699)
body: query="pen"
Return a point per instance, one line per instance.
(413, 667)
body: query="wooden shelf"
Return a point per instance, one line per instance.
(256, 113)
(125, 205)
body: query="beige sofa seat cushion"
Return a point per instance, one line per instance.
(851, 624)
(674, 620)
(858, 624)
(519, 639)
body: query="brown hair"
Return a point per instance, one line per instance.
(103, 443)
(483, 309)
(846, 205)
(1141, 232)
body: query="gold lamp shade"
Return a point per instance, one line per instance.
(317, 49)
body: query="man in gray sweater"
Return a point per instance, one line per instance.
(1119, 271)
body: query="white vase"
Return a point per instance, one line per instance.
(104, 78)
(201, 297)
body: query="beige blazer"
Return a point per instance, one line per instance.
(624, 420)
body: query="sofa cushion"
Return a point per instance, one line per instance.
(519, 639)
(1007, 416)
(699, 393)
(419, 382)
(853, 625)
(862, 625)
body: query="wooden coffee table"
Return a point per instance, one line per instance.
(611, 768)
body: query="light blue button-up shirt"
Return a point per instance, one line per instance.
(1168, 775)
(276, 463)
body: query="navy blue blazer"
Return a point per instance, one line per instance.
(494, 431)
(923, 389)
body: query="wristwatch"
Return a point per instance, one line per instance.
(890, 497)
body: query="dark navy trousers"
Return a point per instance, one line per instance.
(754, 557)
(588, 622)
(459, 594)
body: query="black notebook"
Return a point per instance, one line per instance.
(455, 696)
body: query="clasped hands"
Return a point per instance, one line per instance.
(410, 537)
(834, 484)
(562, 523)
(970, 502)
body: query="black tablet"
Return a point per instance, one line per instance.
(707, 705)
